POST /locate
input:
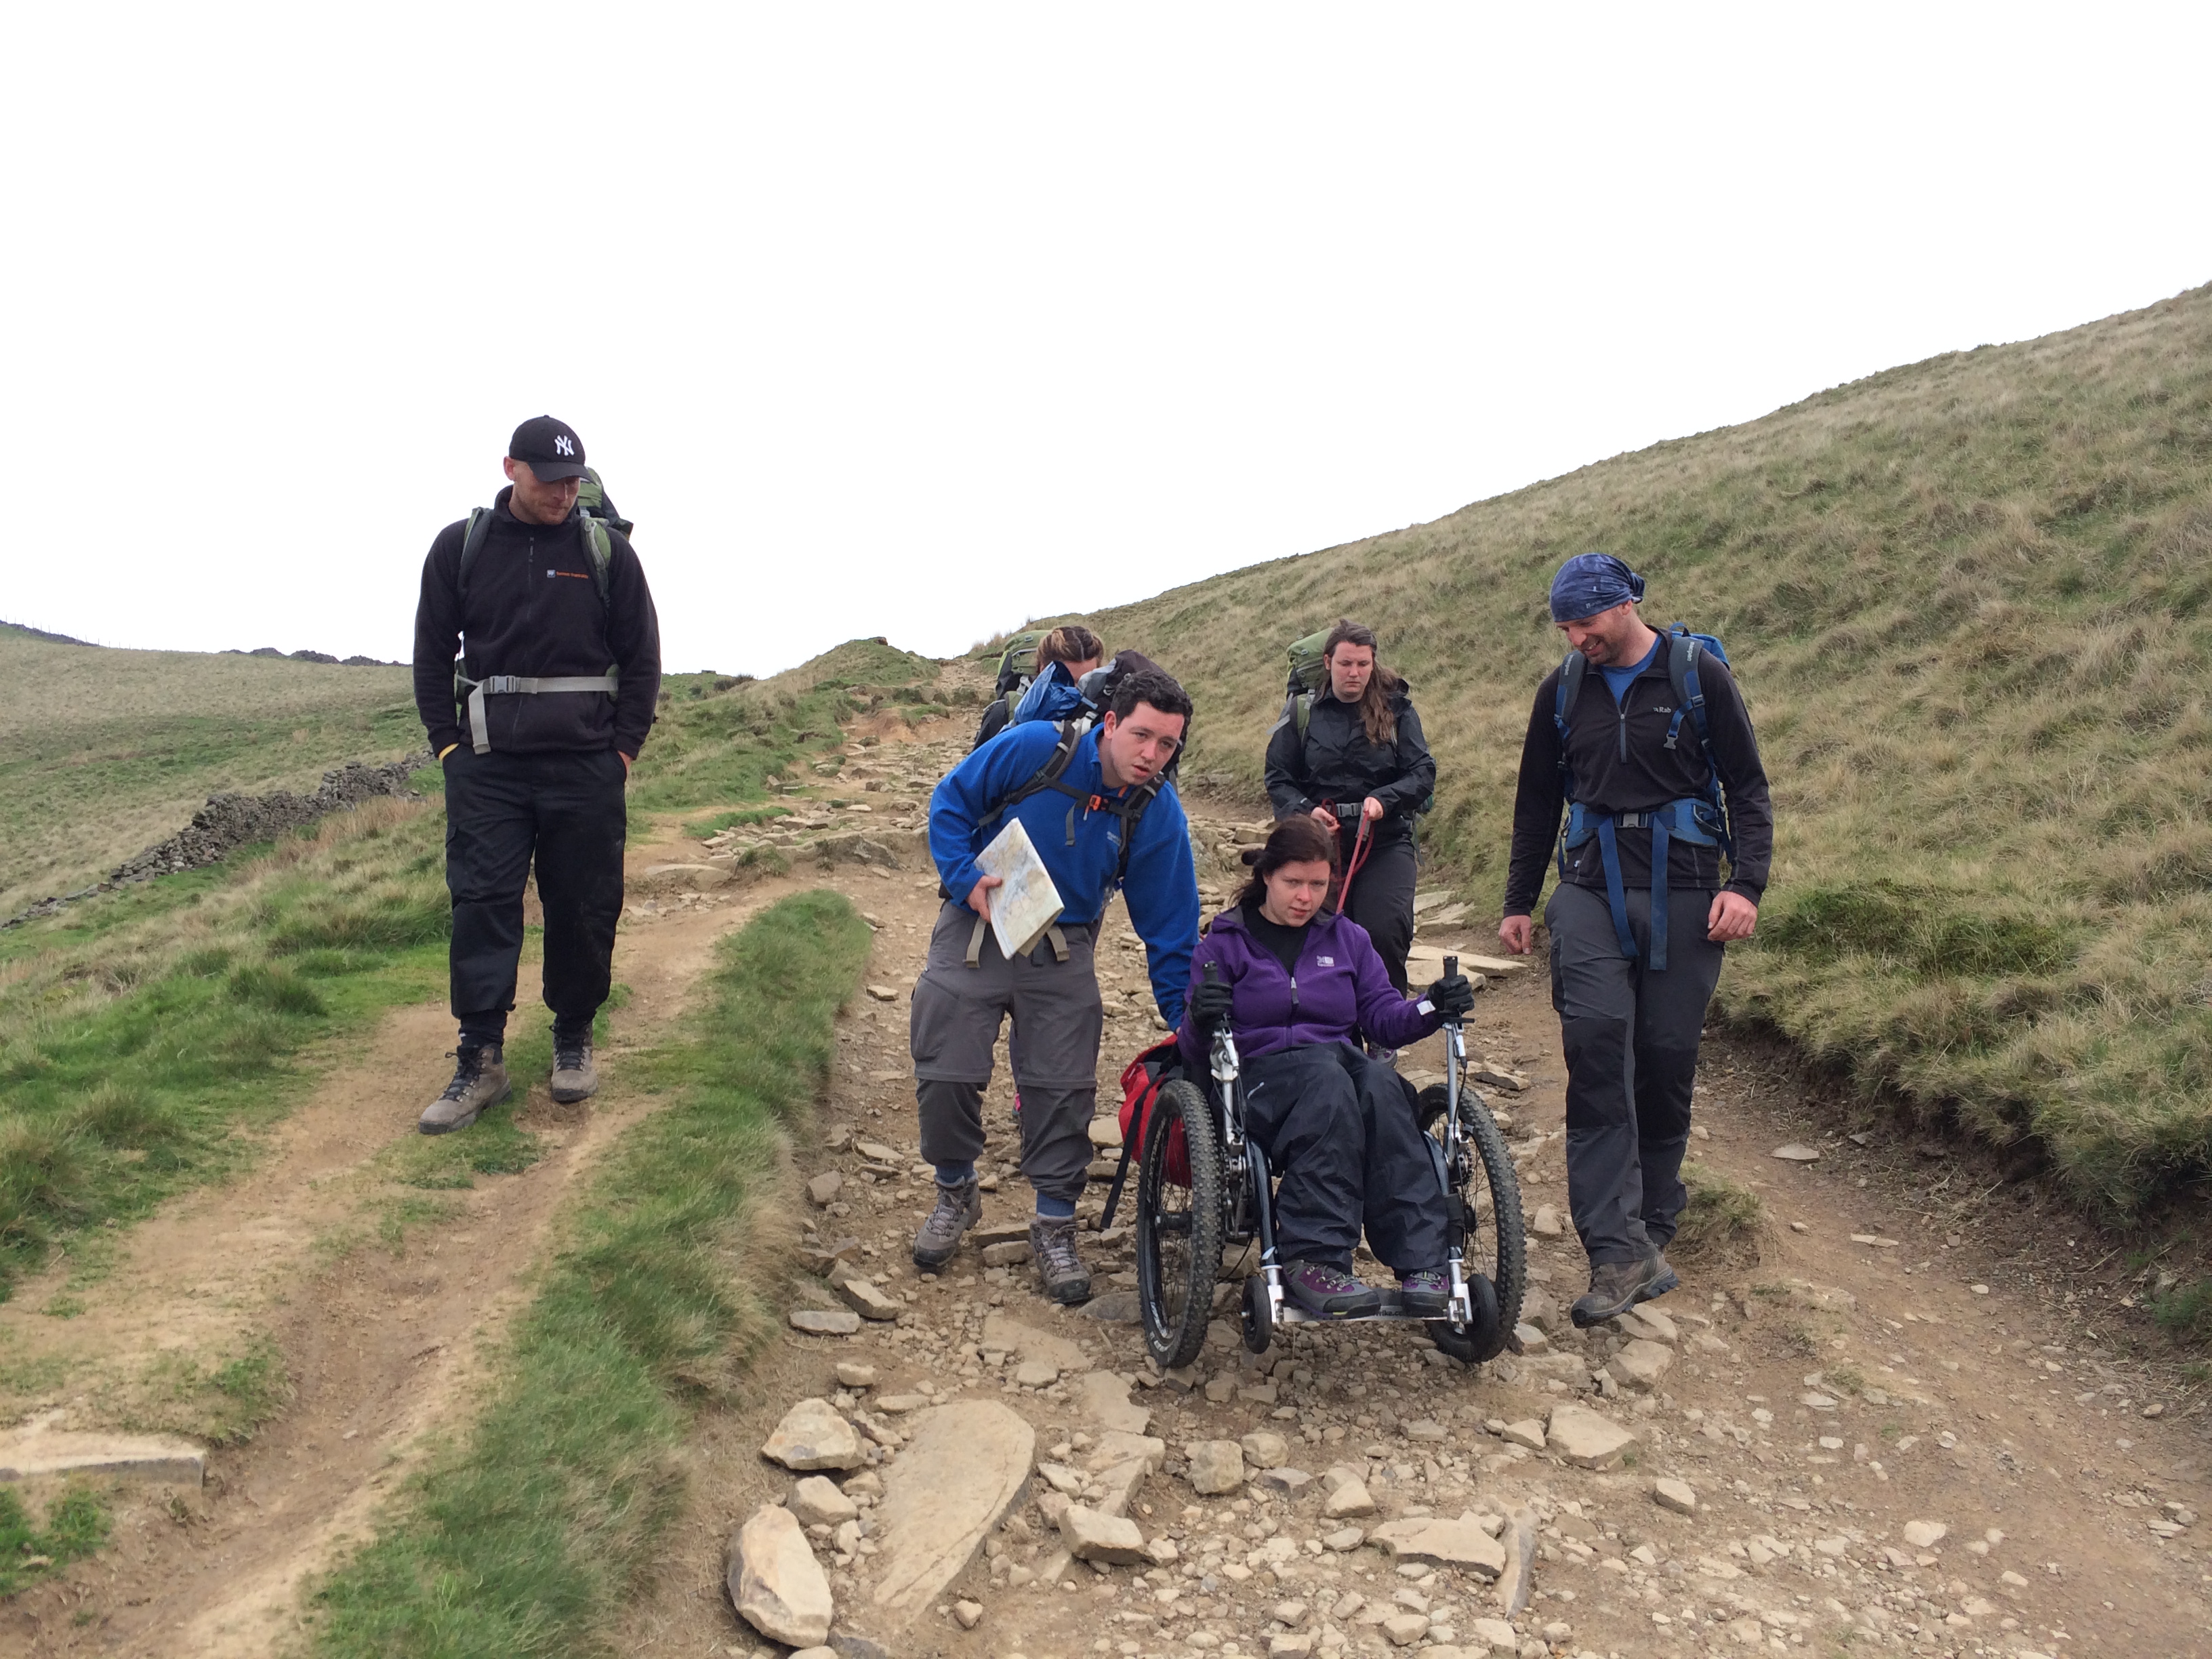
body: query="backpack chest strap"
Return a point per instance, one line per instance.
(1684, 820)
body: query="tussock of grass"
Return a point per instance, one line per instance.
(1970, 602)
(77, 1524)
(527, 1537)
(1721, 1220)
(139, 1033)
(2185, 1311)
(223, 1400)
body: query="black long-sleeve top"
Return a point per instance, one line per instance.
(1618, 758)
(1337, 762)
(533, 609)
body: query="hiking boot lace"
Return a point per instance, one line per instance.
(569, 1056)
(470, 1067)
(948, 1219)
(1057, 1246)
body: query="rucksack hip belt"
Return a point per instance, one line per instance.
(505, 686)
(1689, 819)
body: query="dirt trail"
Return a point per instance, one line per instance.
(382, 1345)
(2001, 1416)
(1818, 1399)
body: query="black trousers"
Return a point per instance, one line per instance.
(1381, 901)
(1631, 1037)
(1340, 1134)
(566, 811)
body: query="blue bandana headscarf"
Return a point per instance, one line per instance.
(1591, 582)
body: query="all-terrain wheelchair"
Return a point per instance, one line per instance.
(1203, 1188)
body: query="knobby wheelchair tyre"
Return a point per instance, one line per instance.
(1178, 1227)
(1507, 1267)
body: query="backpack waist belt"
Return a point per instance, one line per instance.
(1689, 819)
(505, 685)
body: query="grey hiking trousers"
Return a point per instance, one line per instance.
(1631, 1037)
(1058, 1022)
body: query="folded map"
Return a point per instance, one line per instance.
(1028, 902)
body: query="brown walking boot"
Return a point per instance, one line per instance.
(1060, 1270)
(574, 1077)
(479, 1082)
(958, 1208)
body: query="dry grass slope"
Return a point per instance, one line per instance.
(1968, 602)
(103, 753)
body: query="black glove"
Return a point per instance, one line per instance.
(1209, 1006)
(1453, 998)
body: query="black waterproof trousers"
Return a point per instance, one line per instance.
(1631, 1037)
(565, 811)
(1340, 1132)
(1381, 901)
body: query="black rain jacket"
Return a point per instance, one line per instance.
(533, 609)
(1336, 763)
(1619, 761)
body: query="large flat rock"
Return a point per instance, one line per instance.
(963, 1469)
(156, 1457)
(775, 1583)
(1460, 1543)
(1585, 1439)
(1030, 1343)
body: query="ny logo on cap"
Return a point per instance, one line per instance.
(563, 446)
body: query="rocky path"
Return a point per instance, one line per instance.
(1853, 1443)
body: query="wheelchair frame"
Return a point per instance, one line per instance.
(1478, 1321)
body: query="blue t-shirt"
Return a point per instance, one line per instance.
(1622, 678)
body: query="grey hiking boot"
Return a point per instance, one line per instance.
(1617, 1286)
(574, 1077)
(958, 1208)
(479, 1081)
(1060, 1270)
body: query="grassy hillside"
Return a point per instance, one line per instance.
(103, 753)
(1968, 602)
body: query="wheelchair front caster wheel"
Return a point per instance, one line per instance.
(1259, 1317)
(1483, 1340)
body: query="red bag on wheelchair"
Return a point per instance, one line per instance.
(1140, 1087)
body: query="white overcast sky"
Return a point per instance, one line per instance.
(920, 320)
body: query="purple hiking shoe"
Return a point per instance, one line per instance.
(1331, 1292)
(1428, 1291)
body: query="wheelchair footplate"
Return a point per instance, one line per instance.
(1470, 1316)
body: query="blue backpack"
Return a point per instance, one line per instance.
(1703, 820)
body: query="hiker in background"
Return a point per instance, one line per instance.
(1097, 806)
(1296, 984)
(1350, 751)
(1030, 675)
(1654, 759)
(536, 727)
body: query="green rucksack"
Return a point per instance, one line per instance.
(599, 517)
(1018, 663)
(1309, 673)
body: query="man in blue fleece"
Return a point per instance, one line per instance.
(1110, 820)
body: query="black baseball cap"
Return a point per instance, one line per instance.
(552, 448)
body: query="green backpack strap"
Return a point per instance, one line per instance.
(472, 544)
(1302, 712)
(599, 549)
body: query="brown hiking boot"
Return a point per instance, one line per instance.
(574, 1077)
(958, 1208)
(1060, 1270)
(479, 1081)
(1617, 1286)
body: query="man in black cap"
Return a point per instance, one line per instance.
(536, 725)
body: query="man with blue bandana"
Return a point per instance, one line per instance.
(1641, 915)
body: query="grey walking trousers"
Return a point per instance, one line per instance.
(1058, 1022)
(1631, 1037)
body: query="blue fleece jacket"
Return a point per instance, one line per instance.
(1052, 696)
(1162, 889)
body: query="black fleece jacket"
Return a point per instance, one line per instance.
(1620, 763)
(533, 609)
(1336, 763)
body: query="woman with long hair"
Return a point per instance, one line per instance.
(1064, 656)
(1297, 983)
(1361, 748)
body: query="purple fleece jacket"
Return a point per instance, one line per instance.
(1340, 984)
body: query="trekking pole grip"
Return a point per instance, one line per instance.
(1212, 971)
(1451, 967)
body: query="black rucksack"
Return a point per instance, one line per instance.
(593, 506)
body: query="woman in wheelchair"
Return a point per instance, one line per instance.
(1298, 985)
